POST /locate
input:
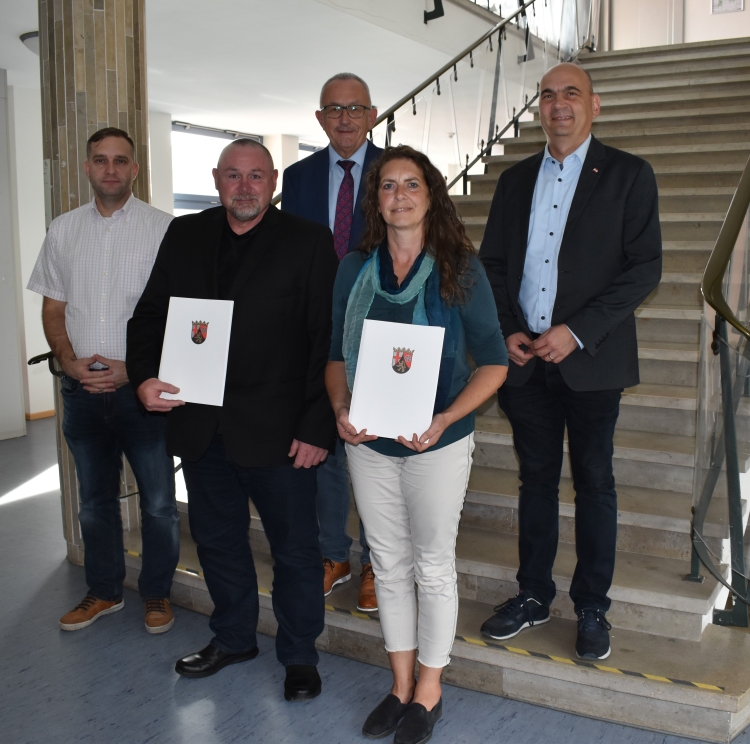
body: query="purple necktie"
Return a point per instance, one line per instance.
(342, 223)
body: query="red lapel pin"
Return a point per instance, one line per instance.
(596, 170)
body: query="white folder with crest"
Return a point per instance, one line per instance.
(195, 350)
(396, 380)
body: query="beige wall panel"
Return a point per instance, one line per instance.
(702, 25)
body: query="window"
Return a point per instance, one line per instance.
(195, 152)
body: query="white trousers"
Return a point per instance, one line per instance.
(410, 508)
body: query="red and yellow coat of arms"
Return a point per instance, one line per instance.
(401, 362)
(199, 332)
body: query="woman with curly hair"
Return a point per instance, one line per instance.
(417, 266)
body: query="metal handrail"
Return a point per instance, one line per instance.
(713, 276)
(448, 66)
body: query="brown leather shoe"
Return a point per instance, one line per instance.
(367, 601)
(88, 610)
(159, 616)
(335, 573)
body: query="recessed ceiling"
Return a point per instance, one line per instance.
(257, 65)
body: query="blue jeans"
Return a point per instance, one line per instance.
(333, 509)
(218, 492)
(539, 412)
(98, 428)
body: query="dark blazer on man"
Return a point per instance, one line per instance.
(281, 331)
(609, 261)
(305, 190)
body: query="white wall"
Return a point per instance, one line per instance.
(12, 422)
(284, 149)
(27, 178)
(160, 153)
(701, 25)
(645, 23)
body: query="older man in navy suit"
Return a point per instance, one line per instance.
(327, 187)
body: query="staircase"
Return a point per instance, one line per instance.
(685, 109)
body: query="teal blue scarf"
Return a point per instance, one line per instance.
(428, 310)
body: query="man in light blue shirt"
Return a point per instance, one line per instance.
(572, 248)
(553, 195)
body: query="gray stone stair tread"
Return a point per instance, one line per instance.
(716, 660)
(682, 277)
(538, 136)
(673, 113)
(688, 245)
(663, 391)
(645, 445)
(631, 500)
(669, 312)
(656, 86)
(665, 216)
(668, 351)
(595, 62)
(622, 97)
(697, 191)
(638, 579)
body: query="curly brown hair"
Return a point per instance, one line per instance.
(444, 234)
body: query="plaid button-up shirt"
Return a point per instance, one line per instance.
(99, 266)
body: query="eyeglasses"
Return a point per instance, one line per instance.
(333, 111)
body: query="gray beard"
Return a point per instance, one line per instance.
(244, 214)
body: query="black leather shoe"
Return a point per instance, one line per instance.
(417, 724)
(384, 718)
(302, 682)
(511, 617)
(209, 661)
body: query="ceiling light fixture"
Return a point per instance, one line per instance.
(31, 41)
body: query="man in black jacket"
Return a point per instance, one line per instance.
(276, 423)
(572, 247)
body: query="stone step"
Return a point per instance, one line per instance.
(696, 157)
(641, 458)
(679, 289)
(731, 64)
(668, 363)
(679, 687)
(648, 593)
(665, 54)
(674, 227)
(659, 324)
(649, 521)
(533, 140)
(653, 89)
(701, 117)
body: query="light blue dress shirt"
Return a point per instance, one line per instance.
(336, 176)
(553, 195)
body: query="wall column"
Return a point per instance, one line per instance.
(93, 70)
(93, 74)
(12, 421)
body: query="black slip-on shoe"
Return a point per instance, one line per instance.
(417, 724)
(511, 617)
(302, 682)
(593, 634)
(209, 661)
(384, 718)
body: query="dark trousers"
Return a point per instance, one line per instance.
(218, 492)
(538, 412)
(98, 428)
(333, 502)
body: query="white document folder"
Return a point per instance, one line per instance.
(195, 350)
(396, 380)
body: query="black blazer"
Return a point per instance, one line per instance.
(609, 261)
(281, 332)
(305, 190)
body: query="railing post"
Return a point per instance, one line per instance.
(738, 615)
(495, 87)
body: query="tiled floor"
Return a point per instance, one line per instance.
(114, 683)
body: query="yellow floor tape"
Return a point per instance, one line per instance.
(501, 646)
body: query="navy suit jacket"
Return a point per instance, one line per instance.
(305, 190)
(609, 262)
